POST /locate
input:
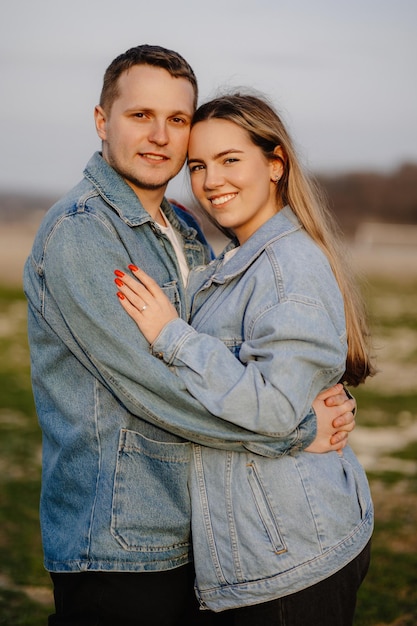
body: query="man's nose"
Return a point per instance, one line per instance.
(158, 133)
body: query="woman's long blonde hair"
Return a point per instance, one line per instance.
(266, 130)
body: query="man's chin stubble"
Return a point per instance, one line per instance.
(141, 184)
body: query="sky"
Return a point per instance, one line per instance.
(342, 73)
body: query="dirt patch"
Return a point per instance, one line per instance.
(374, 446)
(390, 261)
(41, 595)
(15, 244)
(399, 262)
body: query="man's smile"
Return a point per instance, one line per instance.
(153, 157)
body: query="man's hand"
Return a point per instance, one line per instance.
(335, 420)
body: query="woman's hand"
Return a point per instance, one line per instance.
(145, 302)
(335, 420)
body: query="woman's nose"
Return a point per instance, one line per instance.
(213, 178)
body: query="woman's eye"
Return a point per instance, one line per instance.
(231, 160)
(196, 168)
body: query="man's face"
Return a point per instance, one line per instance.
(145, 133)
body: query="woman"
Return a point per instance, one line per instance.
(275, 320)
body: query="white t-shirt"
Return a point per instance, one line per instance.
(229, 254)
(176, 240)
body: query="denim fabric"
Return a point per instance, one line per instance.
(114, 419)
(265, 528)
(331, 602)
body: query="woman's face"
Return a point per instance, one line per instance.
(231, 178)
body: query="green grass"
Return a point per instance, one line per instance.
(409, 452)
(16, 609)
(380, 409)
(388, 596)
(390, 590)
(20, 443)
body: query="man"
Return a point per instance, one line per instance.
(115, 511)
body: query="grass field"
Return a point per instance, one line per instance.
(385, 439)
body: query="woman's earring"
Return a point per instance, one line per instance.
(275, 180)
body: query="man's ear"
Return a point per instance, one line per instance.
(100, 119)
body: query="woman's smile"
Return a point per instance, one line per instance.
(218, 201)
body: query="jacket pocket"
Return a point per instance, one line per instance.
(151, 509)
(265, 509)
(172, 293)
(356, 480)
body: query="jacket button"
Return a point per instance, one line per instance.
(159, 355)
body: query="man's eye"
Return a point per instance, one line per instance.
(139, 115)
(178, 120)
(231, 160)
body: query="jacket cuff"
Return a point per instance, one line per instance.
(170, 340)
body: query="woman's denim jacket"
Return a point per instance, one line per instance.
(264, 528)
(114, 480)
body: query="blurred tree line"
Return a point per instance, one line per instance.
(354, 198)
(371, 197)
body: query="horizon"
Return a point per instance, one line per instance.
(180, 183)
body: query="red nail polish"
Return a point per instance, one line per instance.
(118, 282)
(119, 273)
(120, 295)
(133, 268)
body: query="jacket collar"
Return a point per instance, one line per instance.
(117, 193)
(280, 225)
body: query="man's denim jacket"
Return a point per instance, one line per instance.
(116, 422)
(271, 335)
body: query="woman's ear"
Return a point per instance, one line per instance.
(277, 164)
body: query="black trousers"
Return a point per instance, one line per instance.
(167, 599)
(127, 599)
(331, 602)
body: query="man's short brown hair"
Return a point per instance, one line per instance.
(145, 54)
